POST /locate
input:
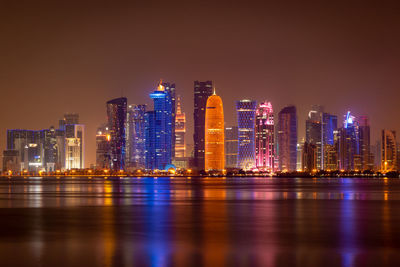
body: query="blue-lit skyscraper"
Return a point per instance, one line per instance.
(246, 115)
(158, 130)
(116, 111)
(349, 144)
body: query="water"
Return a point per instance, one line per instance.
(199, 222)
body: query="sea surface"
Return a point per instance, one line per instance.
(130, 221)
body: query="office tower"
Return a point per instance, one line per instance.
(116, 112)
(265, 144)
(389, 151)
(214, 134)
(11, 161)
(74, 146)
(287, 138)
(60, 144)
(329, 126)
(231, 146)
(349, 144)
(309, 157)
(180, 130)
(202, 90)
(158, 130)
(71, 118)
(246, 115)
(170, 89)
(314, 133)
(50, 149)
(135, 136)
(103, 140)
(365, 143)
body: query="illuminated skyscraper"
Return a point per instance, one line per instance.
(287, 138)
(180, 130)
(365, 144)
(135, 136)
(116, 111)
(103, 139)
(246, 114)
(202, 90)
(170, 89)
(389, 151)
(158, 130)
(214, 134)
(74, 146)
(314, 134)
(231, 146)
(309, 157)
(349, 144)
(265, 144)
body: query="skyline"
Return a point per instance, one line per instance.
(347, 61)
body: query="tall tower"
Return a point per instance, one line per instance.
(314, 133)
(214, 134)
(135, 141)
(158, 130)
(246, 112)
(287, 138)
(349, 144)
(116, 111)
(365, 143)
(170, 89)
(231, 146)
(180, 130)
(265, 144)
(389, 151)
(202, 90)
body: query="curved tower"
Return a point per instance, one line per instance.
(246, 114)
(214, 134)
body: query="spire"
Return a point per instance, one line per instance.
(160, 86)
(214, 91)
(178, 106)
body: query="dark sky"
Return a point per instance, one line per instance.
(73, 56)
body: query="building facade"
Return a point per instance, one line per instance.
(389, 151)
(265, 137)
(287, 139)
(180, 131)
(246, 115)
(231, 146)
(135, 137)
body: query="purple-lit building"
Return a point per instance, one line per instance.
(265, 137)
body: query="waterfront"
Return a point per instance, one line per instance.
(82, 221)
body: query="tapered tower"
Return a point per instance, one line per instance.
(214, 134)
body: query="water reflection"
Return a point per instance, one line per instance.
(200, 222)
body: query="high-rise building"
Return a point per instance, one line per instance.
(74, 146)
(389, 151)
(202, 90)
(231, 146)
(180, 131)
(349, 144)
(287, 139)
(158, 130)
(265, 137)
(214, 134)
(309, 157)
(103, 139)
(170, 89)
(50, 149)
(365, 143)
(116, 113)
(71, 118)
(246, 115)
(329, 126)
(314, 133)
(135, 136)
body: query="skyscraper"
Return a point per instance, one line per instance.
(158, 130)
(180, 130)
(214, 134)
(246, 113)
(103, 139)
(74, 146)
(231, 146)
(349, 144)
(365, 143)
(314, 133)
(202, 90)
(170, 89)
(389, 151)
(135, 136)
(265, 137)
(309, 157)
(116, 112)
(287, 138)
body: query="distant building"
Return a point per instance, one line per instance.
(103, 140)
(180, 131)
(314, 133)
(246, 115)
(202, 90)
(309, 157)
(231, 146)
(265, 137)
(365, 144)
(214, 134)
(287, 138)
(116, 112)
(349, 144)
(135, 137)
(74, 146)
(158, 130)
(11, 161)
(389, 151)
(170, 89)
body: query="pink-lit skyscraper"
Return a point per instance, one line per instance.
(265, 145)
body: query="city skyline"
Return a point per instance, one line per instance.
(351, 65)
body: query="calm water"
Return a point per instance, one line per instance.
(199, 222)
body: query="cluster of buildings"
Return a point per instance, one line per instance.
(138, 138)
(46, 150)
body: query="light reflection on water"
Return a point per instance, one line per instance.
(199, 222)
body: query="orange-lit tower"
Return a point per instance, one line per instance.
(214, 134)
(180, 130)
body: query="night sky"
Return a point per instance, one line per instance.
(73, 56)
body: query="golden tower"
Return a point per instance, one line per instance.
(214, 134)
